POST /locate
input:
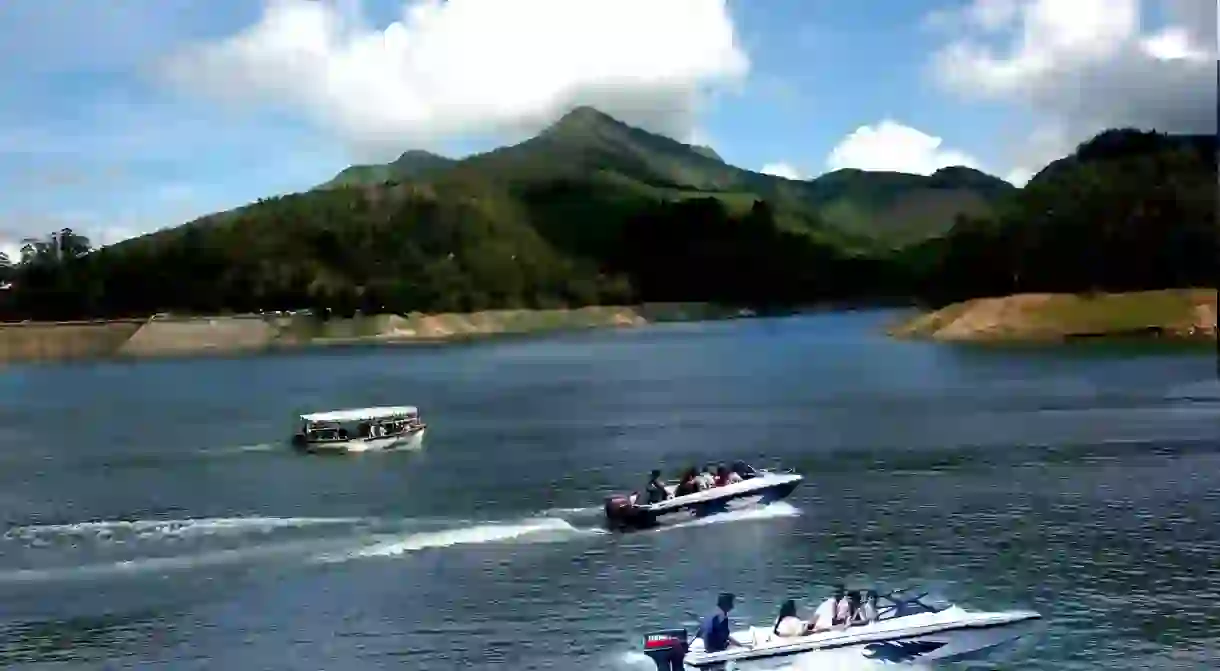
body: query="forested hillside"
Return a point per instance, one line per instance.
(596, 212)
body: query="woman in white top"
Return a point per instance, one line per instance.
(843, 613)
(788, 624)
(825, 616)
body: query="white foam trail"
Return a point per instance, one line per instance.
(152, 529)
(776, 510)
(242, 449)
(569, 512)
(535, 529)
(828, 660)
(160, 564)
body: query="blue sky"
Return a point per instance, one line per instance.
(130, 115)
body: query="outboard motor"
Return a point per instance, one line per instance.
(617, 508)
(666, 649)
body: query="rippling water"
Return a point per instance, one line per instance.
(152, 517)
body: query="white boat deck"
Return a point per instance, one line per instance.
(762, 642)
(763, 481)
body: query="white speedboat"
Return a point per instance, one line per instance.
(361, 430)
(757, 488)
(907, 631)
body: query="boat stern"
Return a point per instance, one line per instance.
(666, 649)
(622, 513)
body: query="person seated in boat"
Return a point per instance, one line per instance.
(788, 624)
(854, 605)
(824, 618)
(715, 629)
(689, 483)
(867, 613)
(844, 609)
(744, 470)
(726, 477)
(655, 491)
(706, 479)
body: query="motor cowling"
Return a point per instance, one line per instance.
(666, 649)
(617, 506)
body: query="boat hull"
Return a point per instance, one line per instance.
(623, 516)
(951, 643)
(410, 441)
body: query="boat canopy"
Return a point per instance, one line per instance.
(361, 414)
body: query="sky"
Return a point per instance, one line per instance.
(122, 117)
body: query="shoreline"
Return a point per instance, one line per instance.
(1171, 315)
(171, 336)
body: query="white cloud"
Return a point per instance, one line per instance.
(891, 146)
(461, 67)
(1086, 65)
(782, 169)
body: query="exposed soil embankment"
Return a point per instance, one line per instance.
(176, 336)
(1185, 314)
(64, 340)
(187, 336)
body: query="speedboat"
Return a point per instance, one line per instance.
(758, 487)
(361, 430)
(907, 631)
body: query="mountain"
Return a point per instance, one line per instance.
(1123, 144)
(1128, 210)
(852, 207)
(411, 164)
(593, 211)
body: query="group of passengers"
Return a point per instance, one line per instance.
(838, 612)
(695, 480)
(842, 610)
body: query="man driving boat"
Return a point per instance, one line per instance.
(655, 491)
(715, 630)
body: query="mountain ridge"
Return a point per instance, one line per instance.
(888, 207)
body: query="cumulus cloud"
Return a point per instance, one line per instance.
(782, 169)
(892, 146)
(470, 67)
(1086, 65)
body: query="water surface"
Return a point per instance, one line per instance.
(154, 519)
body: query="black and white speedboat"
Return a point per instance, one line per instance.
(757, 488)
(907, 631)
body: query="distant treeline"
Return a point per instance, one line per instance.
(1127, 211)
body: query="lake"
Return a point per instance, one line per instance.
(153, 516)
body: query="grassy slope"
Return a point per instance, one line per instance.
(888, 208)
(1176, 312)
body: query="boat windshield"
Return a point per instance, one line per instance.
(901, 606)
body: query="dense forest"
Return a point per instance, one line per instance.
(1128, 210)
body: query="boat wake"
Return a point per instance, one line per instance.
(830, 660)
(242, 449)
(777, 510)
(94, 549)
(537, 530)
(103, 548)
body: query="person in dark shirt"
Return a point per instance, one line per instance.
(656, 489)
(715, 629)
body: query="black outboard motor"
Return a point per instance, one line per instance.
(666, 649)
(618, 509)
